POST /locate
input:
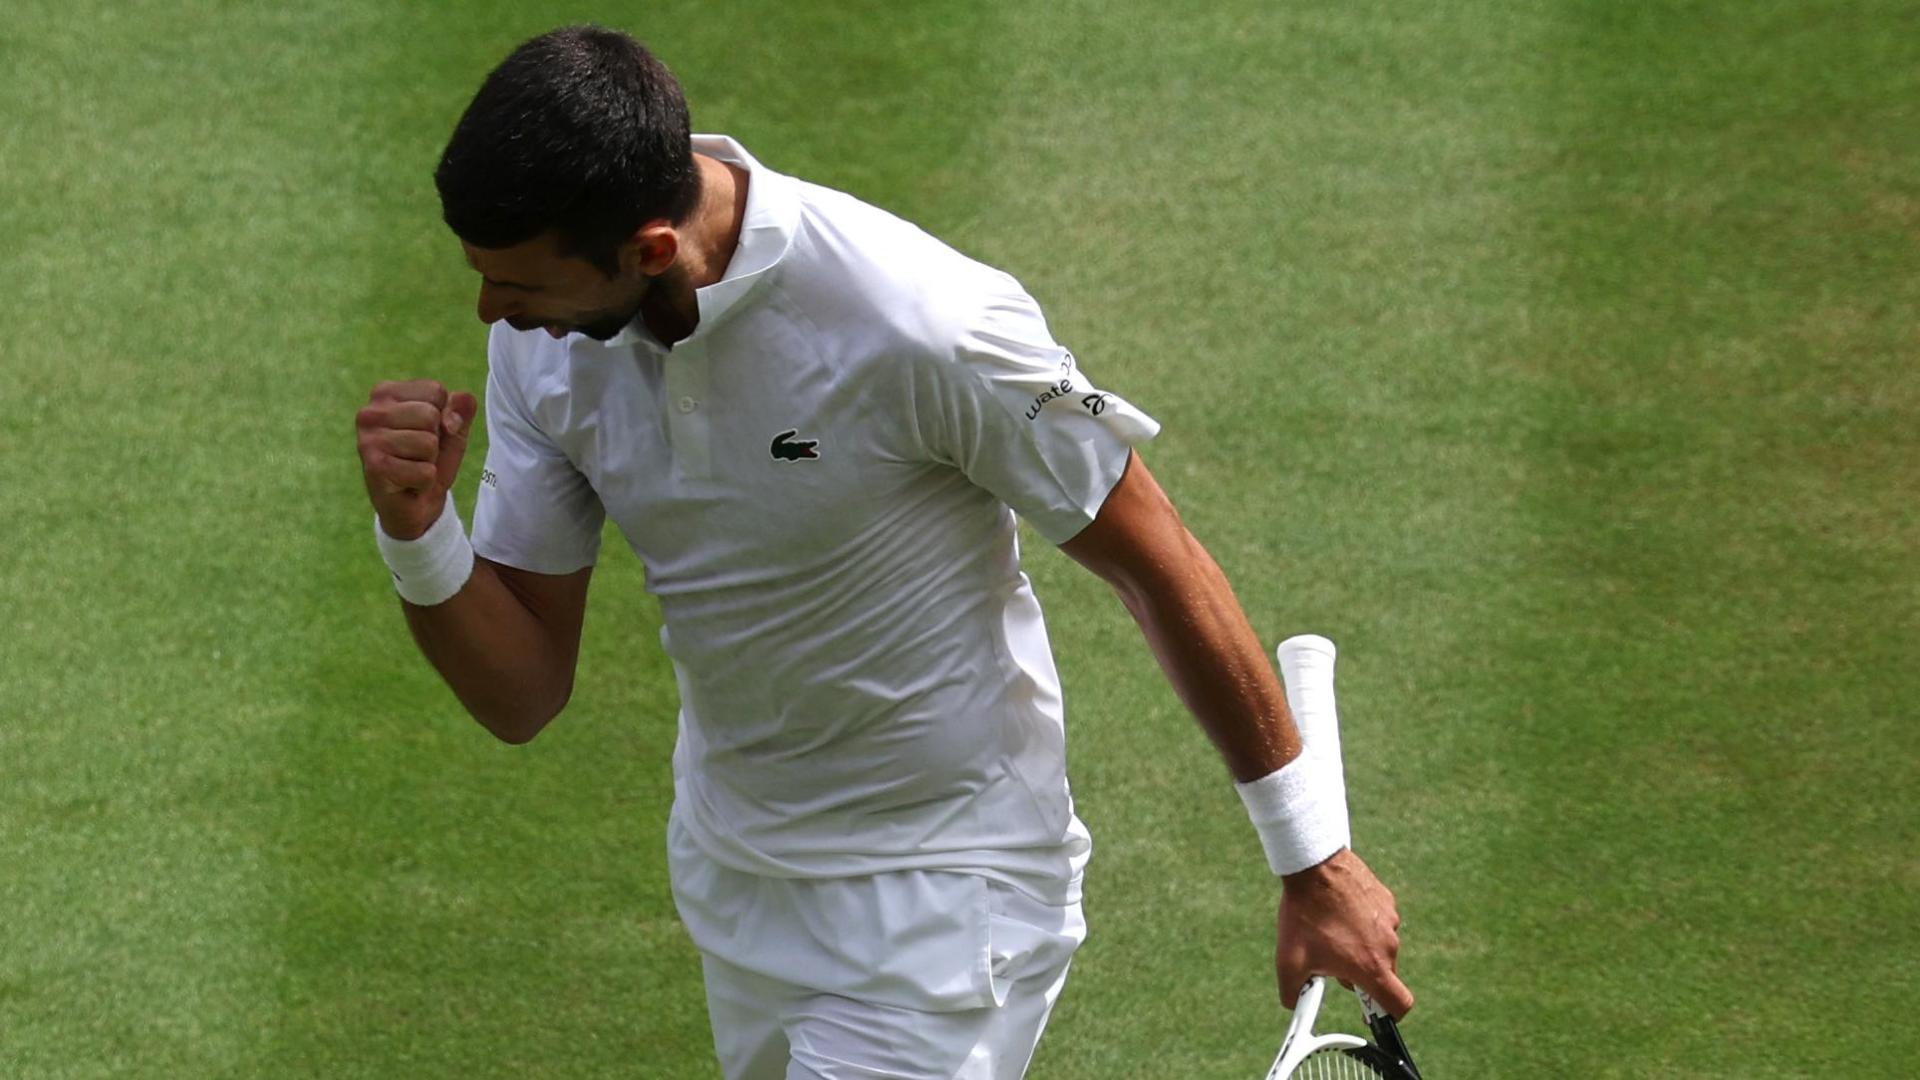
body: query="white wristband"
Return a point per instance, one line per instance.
(1298, 812)
(429, 570)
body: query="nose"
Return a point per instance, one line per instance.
(493, 307)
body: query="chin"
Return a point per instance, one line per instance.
(603, 331)
(606, 328)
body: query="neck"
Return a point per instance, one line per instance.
(712, 233)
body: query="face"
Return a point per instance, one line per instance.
(533, 286)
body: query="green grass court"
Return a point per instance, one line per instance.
(1561, 361)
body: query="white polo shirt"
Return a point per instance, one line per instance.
(821, 483)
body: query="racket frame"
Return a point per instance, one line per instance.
(1301, 1040)
(1387, 1052)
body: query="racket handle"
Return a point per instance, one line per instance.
(1386, 1033)
(1306, 669)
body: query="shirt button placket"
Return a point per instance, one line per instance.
(687, 385)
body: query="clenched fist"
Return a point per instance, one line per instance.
(412, 437)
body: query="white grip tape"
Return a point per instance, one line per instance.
(431, 569)
(1300, 811)
(1306, 669)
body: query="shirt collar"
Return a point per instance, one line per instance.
(766, 232)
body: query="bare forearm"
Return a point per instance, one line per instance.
(495, 655)
(1214, 660)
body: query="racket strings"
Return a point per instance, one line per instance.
(1334, 1065)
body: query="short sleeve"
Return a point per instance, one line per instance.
(1013, 410)
(535, 510)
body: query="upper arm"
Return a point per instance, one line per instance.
(1137, 540)
(558, 602)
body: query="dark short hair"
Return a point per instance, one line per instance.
(581, 131)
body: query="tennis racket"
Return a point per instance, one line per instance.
(1338, 1055)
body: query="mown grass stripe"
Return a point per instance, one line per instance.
(168, 229)
(1709, 686)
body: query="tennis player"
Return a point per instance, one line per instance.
(816, 424)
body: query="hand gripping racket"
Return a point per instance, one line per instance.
(1337, 1055)
(1306, 669)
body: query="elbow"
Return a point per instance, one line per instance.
(517, 727)
(514, 735)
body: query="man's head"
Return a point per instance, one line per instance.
(565, 180)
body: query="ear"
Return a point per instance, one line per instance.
(652, 249)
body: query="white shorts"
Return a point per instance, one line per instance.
(767, 1027)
